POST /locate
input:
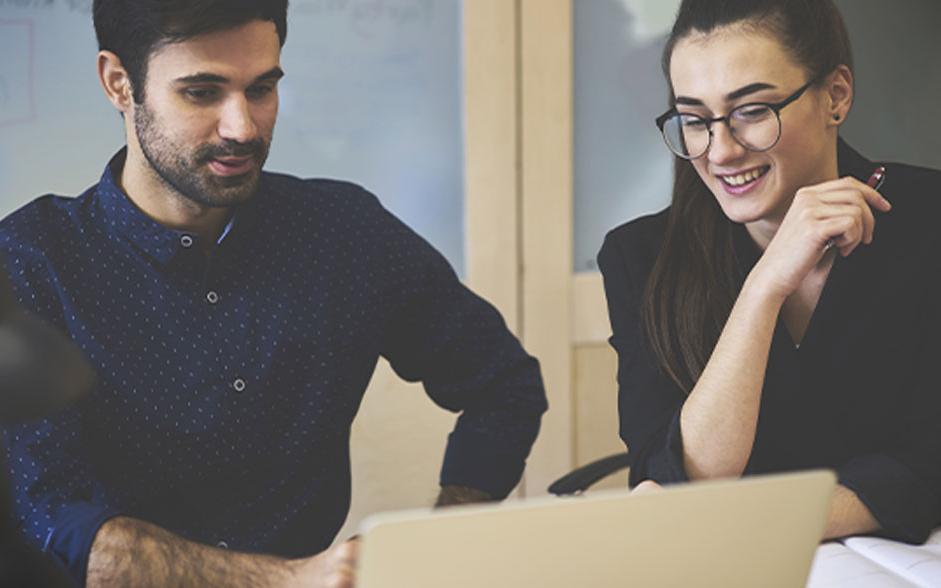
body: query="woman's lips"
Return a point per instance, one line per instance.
(742, 182)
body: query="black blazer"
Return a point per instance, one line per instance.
(860, 395)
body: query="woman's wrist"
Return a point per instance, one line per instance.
(762, 288)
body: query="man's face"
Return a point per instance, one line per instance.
(211, 102)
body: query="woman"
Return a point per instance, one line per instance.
(781, 314)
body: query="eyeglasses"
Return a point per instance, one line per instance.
(756, 126)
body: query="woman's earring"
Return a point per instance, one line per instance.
(836, 117)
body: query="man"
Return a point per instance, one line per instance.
(235, 318)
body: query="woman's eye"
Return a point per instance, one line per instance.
(692, 122)
(752, 113)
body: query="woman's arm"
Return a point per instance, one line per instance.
(719, 418)
(848, 515)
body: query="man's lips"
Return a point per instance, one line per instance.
(232, 166)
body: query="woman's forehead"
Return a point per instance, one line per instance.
(710, 65)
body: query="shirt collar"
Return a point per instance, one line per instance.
(123, 219)
(851, 163)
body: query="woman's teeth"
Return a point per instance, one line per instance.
(742, 179)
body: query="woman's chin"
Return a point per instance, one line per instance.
(741, 212)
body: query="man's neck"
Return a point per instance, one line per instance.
(167, 206)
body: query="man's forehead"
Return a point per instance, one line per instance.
(245, 51)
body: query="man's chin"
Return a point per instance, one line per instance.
(219, 194)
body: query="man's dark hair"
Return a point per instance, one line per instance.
(134, 29)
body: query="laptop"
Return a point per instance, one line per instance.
(756, 531)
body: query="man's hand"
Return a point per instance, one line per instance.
(454, 495)
(131, 552)
(333, 568)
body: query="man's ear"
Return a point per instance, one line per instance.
(839, 89)
(115, 81)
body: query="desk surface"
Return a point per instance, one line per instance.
(868, 562)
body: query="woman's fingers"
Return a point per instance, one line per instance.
(851, 190)
(846, 231)
(845, 196)
(646, 487)
(863, 225)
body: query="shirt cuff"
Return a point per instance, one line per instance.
(479, 461)
(904, 505)
(69, 542)
(662, 458)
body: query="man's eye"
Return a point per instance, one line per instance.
(260, 91)
(200, 94)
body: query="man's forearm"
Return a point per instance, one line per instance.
(130, 552)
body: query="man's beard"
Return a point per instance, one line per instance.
(188, 173)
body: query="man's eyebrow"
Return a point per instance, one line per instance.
(275, 73)
(202, 78)
(731, 96)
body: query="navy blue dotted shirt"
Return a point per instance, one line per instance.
(228, 382)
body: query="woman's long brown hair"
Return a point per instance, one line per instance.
(695, 280)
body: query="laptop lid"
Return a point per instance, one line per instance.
(756, 531)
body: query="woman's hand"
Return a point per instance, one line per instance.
(646, 487)
(839, 212)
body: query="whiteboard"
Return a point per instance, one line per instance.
(373, 94)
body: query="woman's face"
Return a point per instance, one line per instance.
(712, 74)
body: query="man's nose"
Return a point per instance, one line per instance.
(236, 122)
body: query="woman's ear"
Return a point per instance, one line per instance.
(839, 94)
(115, 81)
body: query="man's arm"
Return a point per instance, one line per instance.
(131, 552)
(438, 332)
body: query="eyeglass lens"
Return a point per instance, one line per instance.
(755, 126)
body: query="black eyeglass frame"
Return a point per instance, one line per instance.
(775, 107)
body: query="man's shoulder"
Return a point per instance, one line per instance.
(318, 193)
(39, 226)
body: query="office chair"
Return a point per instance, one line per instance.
(41, 372)
(580, 479)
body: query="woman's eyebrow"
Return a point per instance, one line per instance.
(731, 96)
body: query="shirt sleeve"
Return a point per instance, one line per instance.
(649, 402)
(901, 483)
(58, 505)
(459, 347)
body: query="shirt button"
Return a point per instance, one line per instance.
(212, 297)
(222, 545)
(239, 385)
(186, 241)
